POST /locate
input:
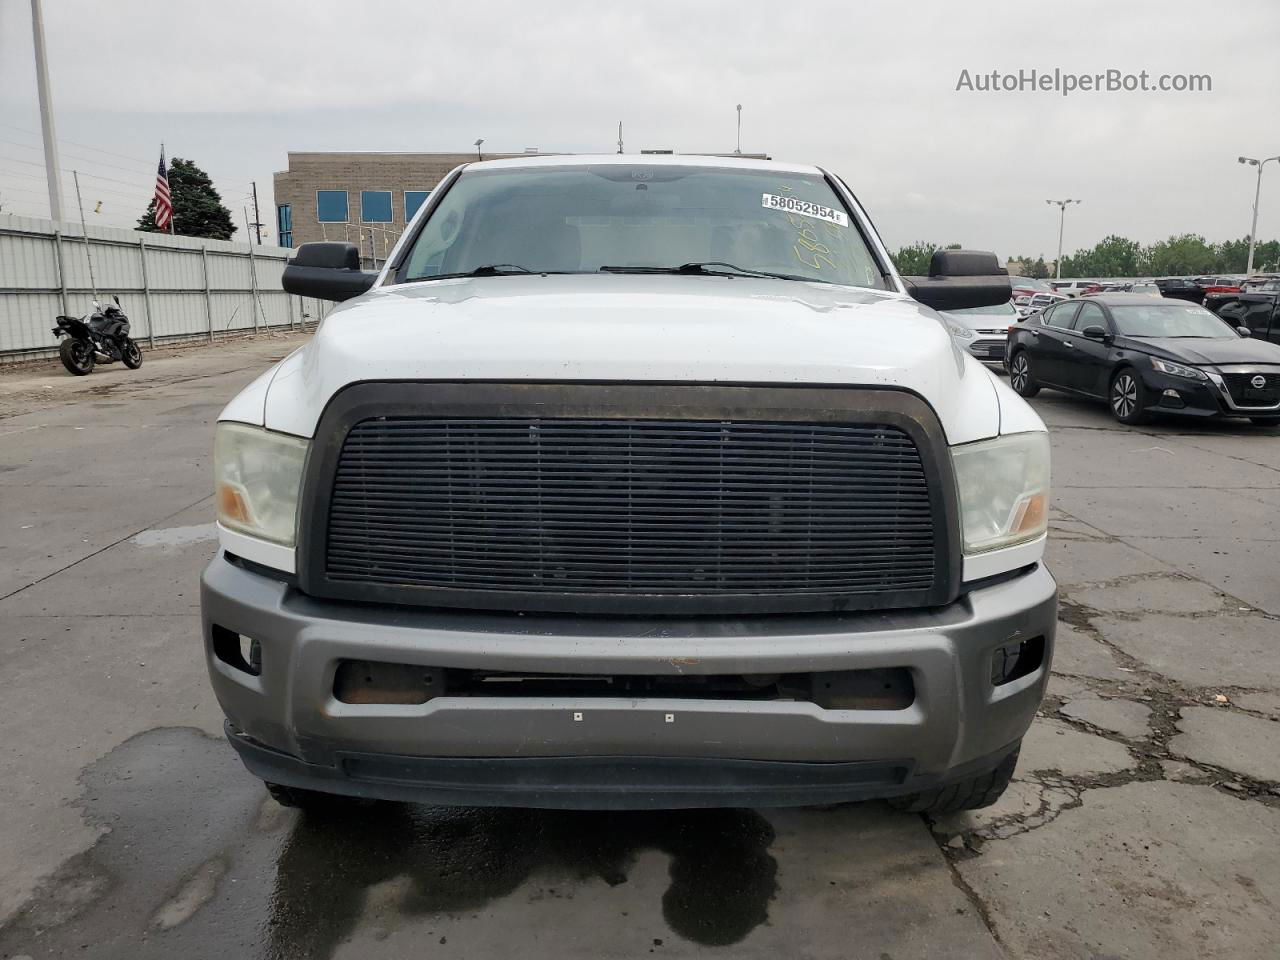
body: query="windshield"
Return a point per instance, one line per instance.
(638, 217)
(1167, 320)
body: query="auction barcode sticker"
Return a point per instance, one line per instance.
(804, 208)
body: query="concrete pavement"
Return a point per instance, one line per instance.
(1142, 823)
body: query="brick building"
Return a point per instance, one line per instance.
(359, 197)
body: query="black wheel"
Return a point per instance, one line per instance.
(1128, 397)
(77, 356)
(971, 794)
(131, 354)
(1020, 376)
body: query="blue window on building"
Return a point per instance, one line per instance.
(331, 206)
(375, 206)
(413, 199)
(284, 223)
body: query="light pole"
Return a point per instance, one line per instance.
(1257, 193)
(478, 142)
(51, 172)
(739, 150)
(1062, 219)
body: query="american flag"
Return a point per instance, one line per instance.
(164, 200)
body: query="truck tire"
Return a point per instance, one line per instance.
(971, 794)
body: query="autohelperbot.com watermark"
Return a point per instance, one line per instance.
(1065, 82)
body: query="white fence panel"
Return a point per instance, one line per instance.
(186, 288)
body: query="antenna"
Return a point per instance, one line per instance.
(619, 136)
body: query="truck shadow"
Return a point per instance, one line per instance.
(193, 861)
(452, 860)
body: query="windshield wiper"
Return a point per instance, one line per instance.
(702, 268)
(488, 270)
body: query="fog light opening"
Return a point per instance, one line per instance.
(1171, 398)
(242, 653)
(1012, 661)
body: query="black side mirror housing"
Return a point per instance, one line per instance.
(959, 279)
(1244, 331)
(328, 270)
(1097, 333)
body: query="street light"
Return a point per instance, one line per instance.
(1062, 218)
(739, 150)
(1253, 231)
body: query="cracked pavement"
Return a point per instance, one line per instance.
(1142, 822)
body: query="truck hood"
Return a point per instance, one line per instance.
(634, 328)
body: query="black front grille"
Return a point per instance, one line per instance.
(1246, 394)
(631, 507)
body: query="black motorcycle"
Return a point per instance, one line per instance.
(99, 337)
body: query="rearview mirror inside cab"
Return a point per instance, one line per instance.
(327, 271)
(961, 278)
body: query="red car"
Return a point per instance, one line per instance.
(1218, 284)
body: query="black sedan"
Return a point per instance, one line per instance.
(1145, 355)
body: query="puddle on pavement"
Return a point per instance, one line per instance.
(196, 862)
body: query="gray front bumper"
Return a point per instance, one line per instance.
(618, 752)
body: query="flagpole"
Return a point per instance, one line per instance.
(173, 214)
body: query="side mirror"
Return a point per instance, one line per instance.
(326, 271)
(1244, 331)
(116, 298)
(1097, 333)
(959, 279)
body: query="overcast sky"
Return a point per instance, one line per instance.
(866, 89)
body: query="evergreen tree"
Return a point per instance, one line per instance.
(198, 210)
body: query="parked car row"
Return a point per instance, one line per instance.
(1257, 310)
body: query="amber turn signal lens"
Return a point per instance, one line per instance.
(1034, 513)
(231, 505)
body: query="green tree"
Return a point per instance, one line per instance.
(1037, 269)
(1184, 254)
(198, 210)
(1232, 256)
(1267, 256)
(913, 259)
(1113, 257)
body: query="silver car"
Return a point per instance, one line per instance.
(985, 330)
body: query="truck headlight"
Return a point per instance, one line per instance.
(1004, 490)
(257, 476)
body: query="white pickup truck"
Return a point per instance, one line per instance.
(632, 482)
